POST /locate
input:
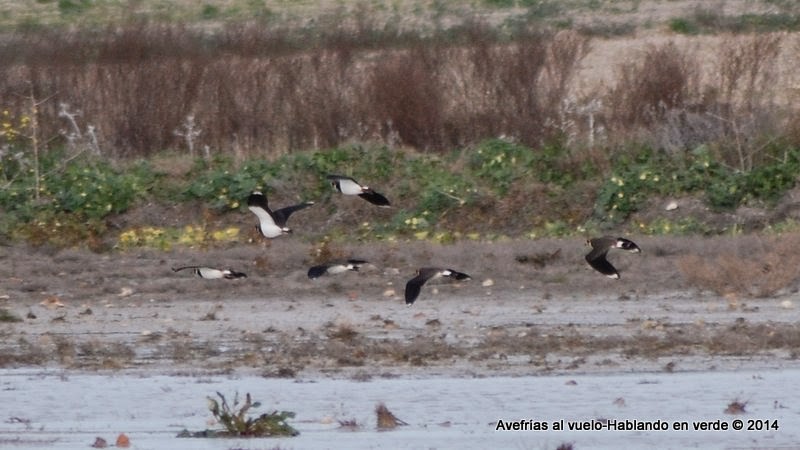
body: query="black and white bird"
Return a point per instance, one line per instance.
(272, 224)
(414, 285)
(211, 273)
(335, 267)
(349, 186)
(600, 247)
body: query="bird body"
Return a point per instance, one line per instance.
(425, 274)
(335, 267)
(600, 247)
(211, 273)
(349, 186)
(272, 224)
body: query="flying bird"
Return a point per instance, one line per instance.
(414, 285)
(211, 273)
(600, 247)
(335, 267)
(271, 224)
(349, 186)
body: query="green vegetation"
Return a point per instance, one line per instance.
(444, 198)
(634, 180)
(712, 21)
(236, 422)
(473, 128)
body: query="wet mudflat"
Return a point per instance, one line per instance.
(58, 409)
(109, 344)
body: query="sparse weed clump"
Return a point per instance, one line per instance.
(236, 422)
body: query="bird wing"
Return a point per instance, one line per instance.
(413, 288)
(317, 271)
(211, 273)
(282, 215)
(374, 197)
(333, 177)
(264, 216)
(178, 269)
(597, 259)
(257, 203)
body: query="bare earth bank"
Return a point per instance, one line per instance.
(549, 314)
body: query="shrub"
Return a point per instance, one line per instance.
(88, 188)
(664, 79)
(500, 163)
(636, 178)
(224, 187)
(234, 418)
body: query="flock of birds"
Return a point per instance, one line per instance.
(272, 224)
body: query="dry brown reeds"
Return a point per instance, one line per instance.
(275, 91)
(251, 90)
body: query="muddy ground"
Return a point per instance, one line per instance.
(532, 307)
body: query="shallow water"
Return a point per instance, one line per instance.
(57, 409)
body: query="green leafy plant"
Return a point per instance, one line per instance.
(636, 179)
(237, 423)
(501, 162)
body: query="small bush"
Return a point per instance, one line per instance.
(666, 78)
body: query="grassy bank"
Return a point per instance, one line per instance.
(475, 126)
(495, 189)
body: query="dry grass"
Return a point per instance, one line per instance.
(343, 332)
(262, 91)
(243, 88)
(387, 420)
(736, 407)
(753, 272)
(664, 100)
(666, 78)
